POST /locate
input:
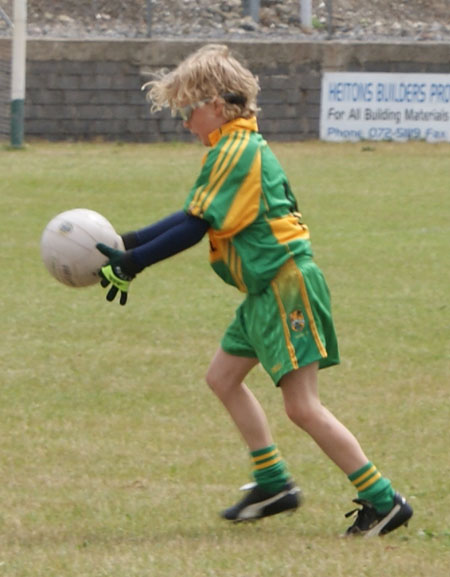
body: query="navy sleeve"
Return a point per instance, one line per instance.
(183, 232)
(136, 238)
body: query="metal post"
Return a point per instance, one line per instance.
(149, 17)
(306, 14)
(330, 18)
(18, 65)
(251, 8)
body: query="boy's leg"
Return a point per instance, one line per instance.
(274, 491)
(303, 407)
(383, 510)
(225, 377)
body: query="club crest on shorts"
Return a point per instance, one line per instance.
(297, 321)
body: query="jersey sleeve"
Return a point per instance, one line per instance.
(167, 238)
(227, 192)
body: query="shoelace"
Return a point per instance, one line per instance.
(362, 513)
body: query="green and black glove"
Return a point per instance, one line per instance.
(116, 272)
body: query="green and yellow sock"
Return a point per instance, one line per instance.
(269, 469)
(373, 487)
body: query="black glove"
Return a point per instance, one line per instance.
(115, 272)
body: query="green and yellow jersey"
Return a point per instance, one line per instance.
(243, 193)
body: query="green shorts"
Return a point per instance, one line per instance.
(288, 325)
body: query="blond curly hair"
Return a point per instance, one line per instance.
(210, 72)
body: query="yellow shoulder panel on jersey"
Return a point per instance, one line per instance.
(245, 206)
(227, 159)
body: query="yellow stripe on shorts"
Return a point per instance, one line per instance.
(287, 336)
(311, 319)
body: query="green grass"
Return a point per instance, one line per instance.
(115, 458)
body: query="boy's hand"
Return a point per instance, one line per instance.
(114, 272)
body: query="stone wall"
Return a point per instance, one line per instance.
(91, 89)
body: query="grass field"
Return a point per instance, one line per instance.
(115, 458)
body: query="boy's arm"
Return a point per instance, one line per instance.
(136, 238)
(182, 234)
(157, 242)
(177, 234)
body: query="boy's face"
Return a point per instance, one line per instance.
(205, 120)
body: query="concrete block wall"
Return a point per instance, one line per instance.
(91, 89)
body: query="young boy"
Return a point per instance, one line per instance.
(259, 244)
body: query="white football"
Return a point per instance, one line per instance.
(68, 246)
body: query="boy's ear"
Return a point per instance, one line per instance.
(218, 106)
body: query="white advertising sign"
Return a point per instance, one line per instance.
(385, 106)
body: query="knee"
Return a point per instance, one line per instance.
(303, 415)
(215, 381)
(221, 384)
(211, 379)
